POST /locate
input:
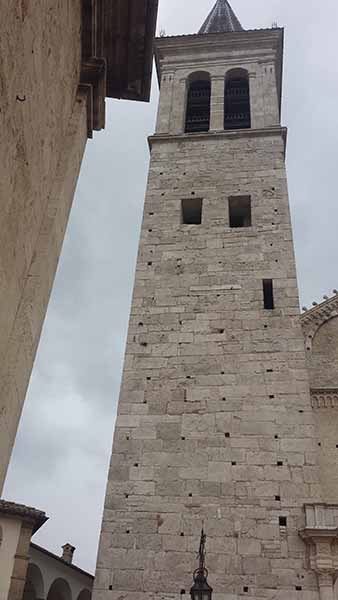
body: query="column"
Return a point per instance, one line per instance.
(256, 101)
(177, 118)
(165, 103)
(321, 537)
(217, 103)
(271, 102)
(326, 586)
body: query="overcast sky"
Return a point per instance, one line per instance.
(63, 446)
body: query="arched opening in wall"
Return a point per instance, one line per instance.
(323, 360)
(59, 590)
(237, 113)
(84, 595)
(34, 587)
(198, 103)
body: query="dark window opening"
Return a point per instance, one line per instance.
(240, 211)
(283, 521)
(192, 211)
(198, 107)
(237, 102)
(268, 294)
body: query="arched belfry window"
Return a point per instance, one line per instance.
(198, 103)
(237, 100)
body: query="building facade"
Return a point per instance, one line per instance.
(58, 63)
(30, 572)
(51, 577)
(216, 421)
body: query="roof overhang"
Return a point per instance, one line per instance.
(260, 44)
(28, 515)
(117, 53)
(129, 31)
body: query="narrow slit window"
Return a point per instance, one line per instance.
(269, 303)
(192, 211)
(240, 211)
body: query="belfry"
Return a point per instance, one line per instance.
(216, 421)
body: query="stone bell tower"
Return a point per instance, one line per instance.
(215, 421)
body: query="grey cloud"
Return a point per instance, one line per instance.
(63, 446)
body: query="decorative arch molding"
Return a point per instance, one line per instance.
(233, 72)
(198, 76)
(315, 318)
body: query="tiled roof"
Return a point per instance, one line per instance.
(221, 19)
(26, 513)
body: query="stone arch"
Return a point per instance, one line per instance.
(237, 109)
(34, 587)
(198, 104)
(323, 358)
(60, 590)
(84, 595)
(316, 323)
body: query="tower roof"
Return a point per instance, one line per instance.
(221, 19)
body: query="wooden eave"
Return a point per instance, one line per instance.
(117, 53)
(129, 31)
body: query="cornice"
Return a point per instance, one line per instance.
(230, 37)
(212, 135)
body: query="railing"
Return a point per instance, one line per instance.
(197, 123)
(237, 121)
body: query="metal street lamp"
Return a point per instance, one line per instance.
(201, 590)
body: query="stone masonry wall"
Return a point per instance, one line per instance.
(215, 421)
(44, 133)
(322, 363)
(322, 360)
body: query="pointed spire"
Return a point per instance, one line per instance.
(221, 19)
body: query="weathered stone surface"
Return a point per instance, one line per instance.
(44, 132)
(238, 448)
(320, 328)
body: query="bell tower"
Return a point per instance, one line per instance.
(215, 422)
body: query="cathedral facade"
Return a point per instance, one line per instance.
(226, 418)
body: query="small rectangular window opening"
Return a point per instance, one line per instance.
(192, 211)
(240, 211)
(269, 303)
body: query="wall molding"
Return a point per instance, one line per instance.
(324, 398)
